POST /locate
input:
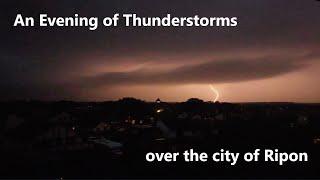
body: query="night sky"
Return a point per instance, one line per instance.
(272, 55)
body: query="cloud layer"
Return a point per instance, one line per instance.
(63, 62)
(227, 70)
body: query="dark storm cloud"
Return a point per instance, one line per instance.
(227, 70)
(37, 60)
(262, 23)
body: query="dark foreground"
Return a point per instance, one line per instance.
(110, 139)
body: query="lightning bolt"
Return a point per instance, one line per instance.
(216, 92)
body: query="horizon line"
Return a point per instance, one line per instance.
(148, 101)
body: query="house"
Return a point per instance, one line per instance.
(101, 127)
(167, 132)
(13, 121)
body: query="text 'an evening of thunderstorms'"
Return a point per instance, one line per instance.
(127, 20)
